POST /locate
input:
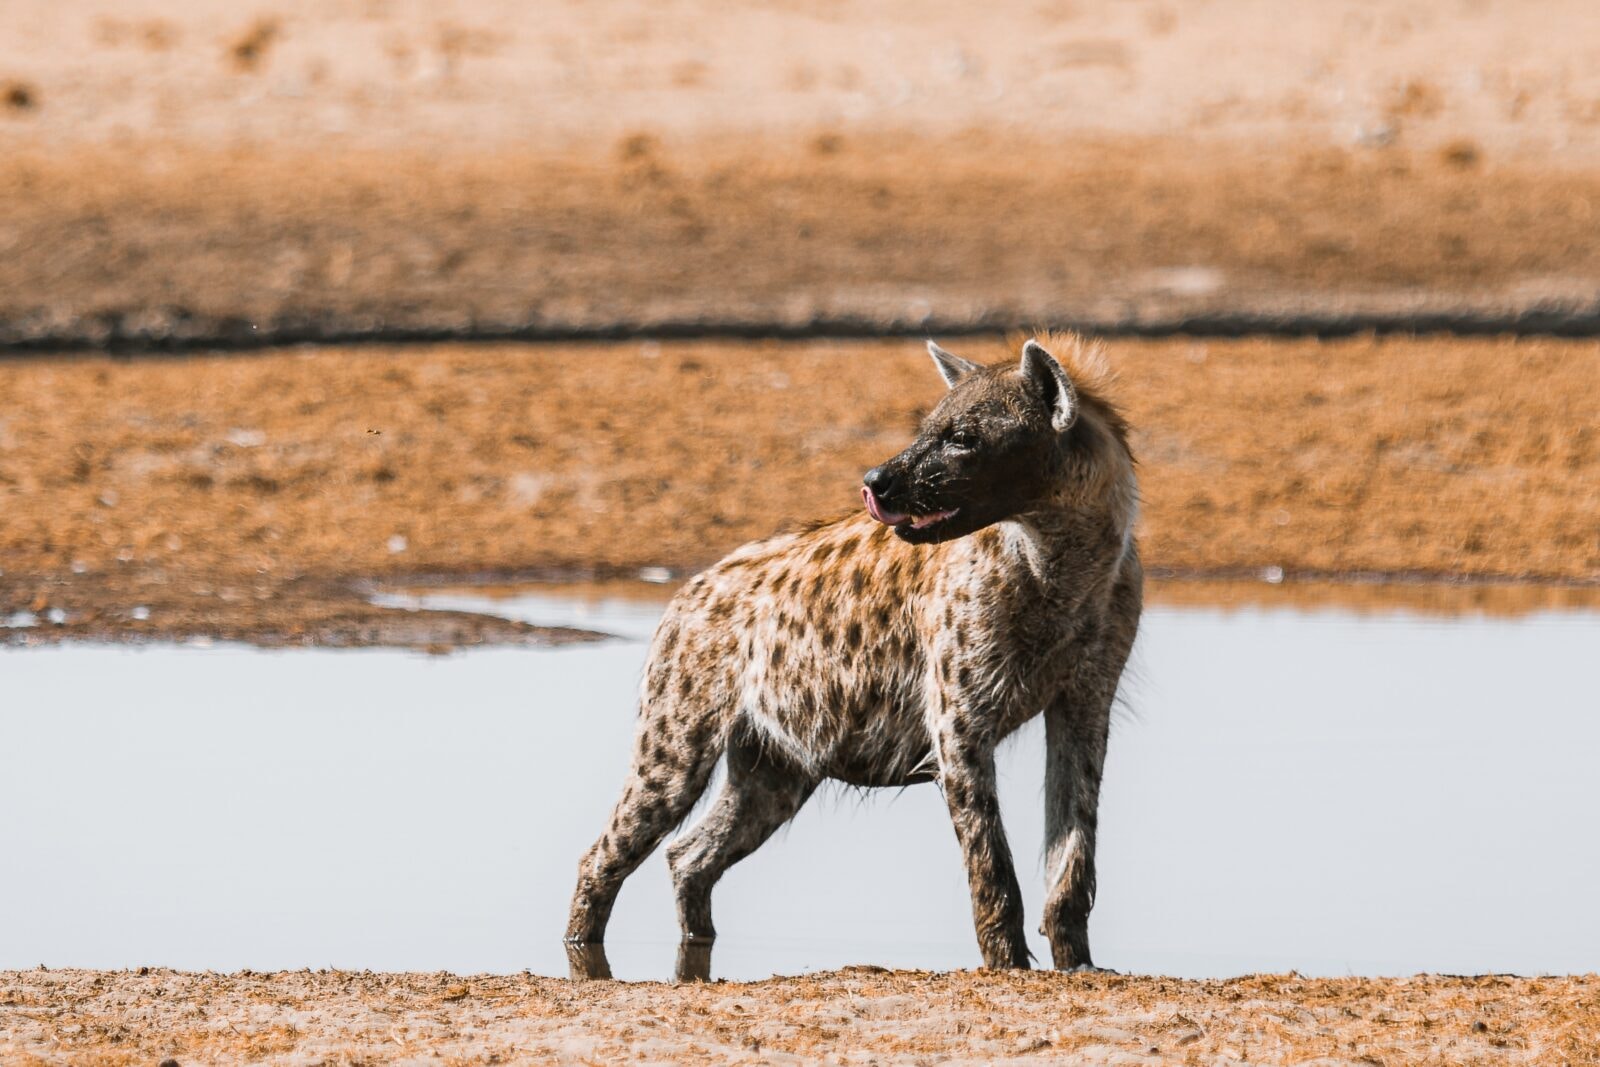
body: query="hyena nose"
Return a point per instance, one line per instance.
(881, 481)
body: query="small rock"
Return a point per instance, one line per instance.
(19, 96)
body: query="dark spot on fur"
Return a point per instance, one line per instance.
(777, 655)
(858, 580)
(964, 676)
(822, 552)
(852, 635)
(685, 686)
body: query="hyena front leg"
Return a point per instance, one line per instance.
(966, 772)
(674, 751)
(1076, 725)
(762, 792)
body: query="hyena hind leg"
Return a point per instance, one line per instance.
(674, 751)
(763, 791)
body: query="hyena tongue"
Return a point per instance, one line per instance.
(888, 518)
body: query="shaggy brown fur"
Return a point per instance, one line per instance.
(993, 576)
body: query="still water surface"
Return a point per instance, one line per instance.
(1318, 791)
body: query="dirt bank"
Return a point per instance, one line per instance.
(216, 484)
(860, 1015)
(182, 170)
(816, 231)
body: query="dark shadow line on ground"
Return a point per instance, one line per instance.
(119, 334)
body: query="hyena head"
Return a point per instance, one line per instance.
(992, 449)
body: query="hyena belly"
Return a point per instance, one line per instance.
(810, 650)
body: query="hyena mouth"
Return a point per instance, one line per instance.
(902, 518)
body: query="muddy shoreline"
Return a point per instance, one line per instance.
(340, 613)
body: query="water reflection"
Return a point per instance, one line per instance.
(1321, 792)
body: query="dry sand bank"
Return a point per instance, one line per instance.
(859, 1016)
(1519, 79)
(831, 232)
(224, 489)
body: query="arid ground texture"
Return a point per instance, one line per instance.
(855, 1016)
(235, 492)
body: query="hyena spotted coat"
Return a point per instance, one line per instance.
(992, 577)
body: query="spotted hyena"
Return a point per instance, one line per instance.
(992, 576)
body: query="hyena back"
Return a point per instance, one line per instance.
(992, 577)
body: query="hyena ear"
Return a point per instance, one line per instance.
(952, 368)
(1041, 369)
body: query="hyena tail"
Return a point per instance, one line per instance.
(675, 751)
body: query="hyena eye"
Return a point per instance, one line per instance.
(965, 440)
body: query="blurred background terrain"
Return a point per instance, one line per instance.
(744, 202)
(198, 171)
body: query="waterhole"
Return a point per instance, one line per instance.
(1332, 792)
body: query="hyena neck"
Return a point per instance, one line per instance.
(1086, 526)
(1056, 552)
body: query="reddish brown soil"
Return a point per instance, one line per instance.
(866, 231)
(859, 1016)
(217, 483)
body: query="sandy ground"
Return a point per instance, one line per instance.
(191, 170)
(1521, 79)
(859, 1016)
(223, 493)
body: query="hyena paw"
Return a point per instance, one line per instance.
(1088, 968)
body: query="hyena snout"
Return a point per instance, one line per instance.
(899, 495)
(883, 481)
